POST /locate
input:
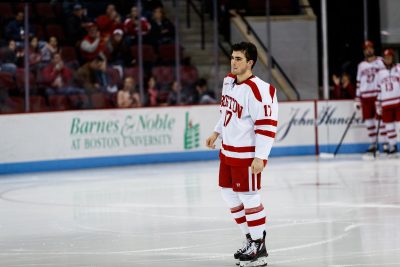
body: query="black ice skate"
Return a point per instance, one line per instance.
(372, 149)
(385, 148)
(256, 255)
(246, 246)
(393, 152)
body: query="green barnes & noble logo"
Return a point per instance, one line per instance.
(192, 134)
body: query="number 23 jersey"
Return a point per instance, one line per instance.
(248, 122)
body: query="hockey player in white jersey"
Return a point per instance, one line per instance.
(367, 92)
(388, 100)
(248, 123)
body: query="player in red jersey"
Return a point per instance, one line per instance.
(388, 100)
(367, 92)
(248, 123)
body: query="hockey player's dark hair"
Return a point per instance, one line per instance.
(248, 49)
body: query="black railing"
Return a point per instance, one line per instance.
(274, 62)
(200, 14)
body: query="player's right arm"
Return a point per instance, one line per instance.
(378, 102)
(357, 100)
(210, 142)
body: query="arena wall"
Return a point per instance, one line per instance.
(97, 138)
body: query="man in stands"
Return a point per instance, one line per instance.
(58, 77)
(92, 44)
(131, 26)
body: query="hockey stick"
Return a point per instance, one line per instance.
(377, 136)
(331, 156)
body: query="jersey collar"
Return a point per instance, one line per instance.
(251, 77)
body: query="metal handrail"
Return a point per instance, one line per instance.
(274, 62)
(200, 14)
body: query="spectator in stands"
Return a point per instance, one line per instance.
(58, 77)
(34, 53)
(162, 29)
(131, 26)
(149, 5)
(128, 96)
(92, 75)
(91, 44)
(11, 57)
(15, 28)
(116, 49)
(205, 97)
(152, 92)
(76, 25)
(175, 96)
(108, 22)
(343, 87)
(49, 49)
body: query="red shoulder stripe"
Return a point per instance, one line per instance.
(255, 90)
(272, 92)
(231, 75)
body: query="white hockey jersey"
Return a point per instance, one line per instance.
(248, 122)
(366, 74)
(388, 84)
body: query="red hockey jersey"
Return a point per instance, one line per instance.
(388, 84)
(248, 122)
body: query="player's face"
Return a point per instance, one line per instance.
(239, 63)
(369, 51)
(388, 60)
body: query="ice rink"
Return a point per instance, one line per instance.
(341, 212)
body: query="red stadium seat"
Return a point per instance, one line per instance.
(6, 11)
(78, 101)
(114, 77)
(37, 104)
(58, 102)
(55, 30)
(20, 79)
(164, 75)
(15, 104)
(189, 75)
(68, 53)
(132, 72)
(7, 81)
(38, 30)
(149, 56)
(45, 10)
(167, 53)
(100, 100)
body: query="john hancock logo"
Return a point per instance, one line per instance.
(192, 134)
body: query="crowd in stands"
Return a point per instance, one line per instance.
(85, 55)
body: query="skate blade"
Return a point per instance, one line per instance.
(262, 261)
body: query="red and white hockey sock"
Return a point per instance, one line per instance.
(371, 128)
(383, 133)
(391, 134)
(255, 214)
(256, 221)
(237, 208)
(240, 218)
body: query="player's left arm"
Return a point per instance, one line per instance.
(264, 113)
